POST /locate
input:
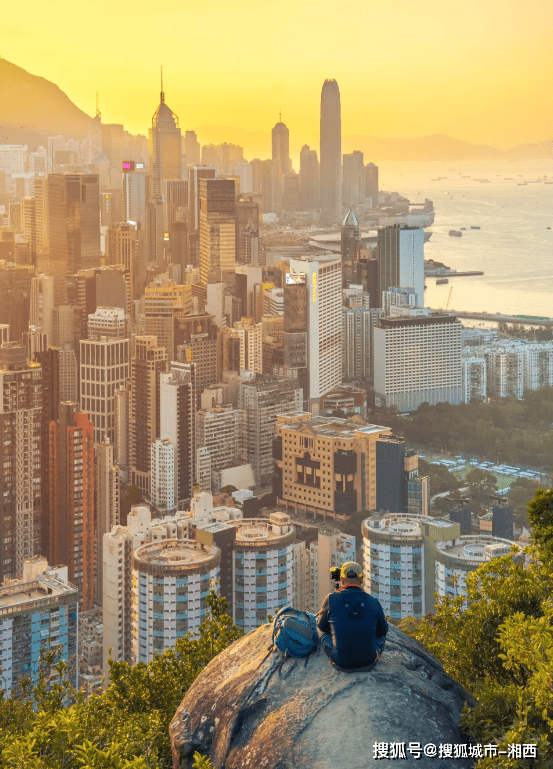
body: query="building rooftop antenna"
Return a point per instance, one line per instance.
(162, 95)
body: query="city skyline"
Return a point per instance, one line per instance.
(464, 68)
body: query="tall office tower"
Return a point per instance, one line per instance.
(41, 215)
(191, 148)
(331, 152)
(41, 314)
(203, 470)
(211, 155)
(135, 196)
(67, 374)
(104, 368)
(350, 243)
(291, 192)
(162, 303)
(180, 246)
(337, 477)
(196, 341)
(20, 454)
(178, 573)
(156, 231)
(247, 231)
(178, 406)
(15, 291)
(280, 136)
(165, 145)
(247, 352)
(111, 205)
(195, 173)
(295, 328)
(353, 187)
(175, 196)
(219, 431)
(149, 361)
(39, 592)
(267, 181)
(417, 359)
(244, 171)
(356, 325)
(74, 227)
(217, 231)
(263, 398)
(28, 225)
(371, 184)
(309, 179)
(12, 161)
(126, 246)
(106, 508)
(323, 284)
(122, 425)
(401, 259)
(71, 513)
(108, 322)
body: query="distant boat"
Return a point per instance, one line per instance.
(474, 227)
(464, 228)
(456, 233)
(441, 281)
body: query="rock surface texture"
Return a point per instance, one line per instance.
(244, 712)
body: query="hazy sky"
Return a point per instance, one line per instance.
(476, 70)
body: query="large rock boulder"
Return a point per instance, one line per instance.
(246, 712)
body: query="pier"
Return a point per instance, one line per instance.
(521, 320)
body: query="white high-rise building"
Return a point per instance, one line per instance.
(203, 470)
(162, 489)
(505, 371)
(263, 565)
(178, 401)
(104, 368)
(171, 582)
(244, 171)
(109, 322)
(323, 280)
(12, 161)
(42, 305)
(219, 431)
(475, 378)
(538, 366)
(417, 359)
(106, 508)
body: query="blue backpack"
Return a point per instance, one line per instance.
(295, 632)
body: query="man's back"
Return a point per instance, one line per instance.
(355, 620)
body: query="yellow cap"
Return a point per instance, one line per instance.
(351, 570)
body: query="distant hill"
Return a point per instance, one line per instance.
(435, 147)
(33, 108)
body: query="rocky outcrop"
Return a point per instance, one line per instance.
(245, 711)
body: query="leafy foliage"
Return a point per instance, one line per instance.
(126, 727)
(508, 430)
(497, 641)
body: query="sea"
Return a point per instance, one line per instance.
(513, 247)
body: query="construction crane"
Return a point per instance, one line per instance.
(449, 298)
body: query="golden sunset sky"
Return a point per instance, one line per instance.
(478, 71)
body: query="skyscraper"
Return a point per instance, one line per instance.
(281, 147)
(331, 152)
(20, 450)
(371, 183)
(104, 369)
(191, 148)
(309, 179)
(178, 401)
(74, 227)
(353, 193)
(71, 513)
(401, 259)
(350, 245)
(165, 145)
(321, 277)
(217, 231)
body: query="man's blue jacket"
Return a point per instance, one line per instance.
(354, 627)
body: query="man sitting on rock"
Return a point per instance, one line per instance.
(352, 626)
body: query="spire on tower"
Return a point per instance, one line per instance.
(162, 95)
(98, 113)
